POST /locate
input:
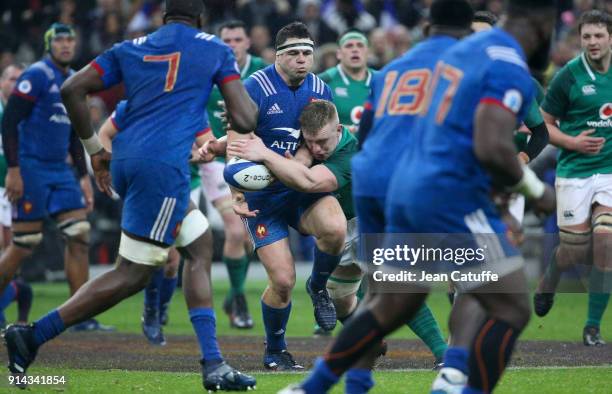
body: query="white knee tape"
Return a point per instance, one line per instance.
(141, 252)
(73, 228)
(194, 225)
(603, 223)
(340, 288)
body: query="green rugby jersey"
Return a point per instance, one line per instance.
(3, 165)
(533, 118)
(339, 163)
(349, 95)
(581, 98)
(253, 63)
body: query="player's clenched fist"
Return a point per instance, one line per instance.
(13, 184)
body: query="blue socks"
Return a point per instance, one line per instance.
(167, 290)
(6, 298)
(324, 265)
(151, 298)
(358, 381)
(321, 379)
(204, 325)
(457, 357)
(275, 323)
(48, 327)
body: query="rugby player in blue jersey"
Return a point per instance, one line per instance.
(168, 76)
(442, 185)
(37, 138)
(281, 91)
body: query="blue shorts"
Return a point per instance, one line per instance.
(277, 211)
(455, 224)
(155, 198)
(48, 189)
(371, 214)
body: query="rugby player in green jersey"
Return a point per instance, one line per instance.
(578, 112)
(350, 79)
(216, 191)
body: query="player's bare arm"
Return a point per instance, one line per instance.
(74, 95)
(242, 112)
(583, 142)
(107, 133)
(318, 179)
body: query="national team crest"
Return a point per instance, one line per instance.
(27, 207)
(261, 231)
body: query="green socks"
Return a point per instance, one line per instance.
(237, 270)
(426, 327)
(599, 295)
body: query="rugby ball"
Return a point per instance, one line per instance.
(247, 175)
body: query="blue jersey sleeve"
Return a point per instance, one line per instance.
(107, 66)
(229, 70)
(118, 115)
(510, 86)
(205, 126)
(31, 84)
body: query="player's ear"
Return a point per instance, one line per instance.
(338, 55)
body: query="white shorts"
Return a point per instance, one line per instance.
(5, 210)
(517, 207)
(576, 196)
(213, 184)
(349, 254)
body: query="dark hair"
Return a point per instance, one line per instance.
(184, 8)
(451, 13)
(316, 115)
(233, 24)
(292, 30)
(595, 17)
(485, 17)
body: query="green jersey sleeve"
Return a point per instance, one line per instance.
(556, 101)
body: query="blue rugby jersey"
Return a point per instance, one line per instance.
(280, 107)
(168, 77)
(398, 95)
(45, 134)
(442, 162)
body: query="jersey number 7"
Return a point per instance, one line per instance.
(173, 60)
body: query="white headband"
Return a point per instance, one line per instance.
(295, 44)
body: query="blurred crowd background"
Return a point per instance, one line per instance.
(392, 26)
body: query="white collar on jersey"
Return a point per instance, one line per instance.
(345, 78)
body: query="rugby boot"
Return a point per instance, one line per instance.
(324, 309)
(224, 377)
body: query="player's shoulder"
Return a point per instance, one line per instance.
(499, 49)
(261, 80)
(328, 74)
(317, 85)
(39, 70)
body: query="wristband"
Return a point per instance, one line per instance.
(92, 144)
(530, 185)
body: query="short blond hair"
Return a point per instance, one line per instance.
(316, 115)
